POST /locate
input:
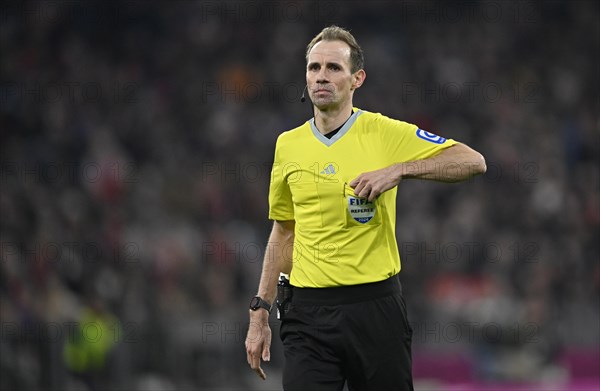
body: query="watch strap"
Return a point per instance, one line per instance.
(258, 302)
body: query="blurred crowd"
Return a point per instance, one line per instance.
(136, 143)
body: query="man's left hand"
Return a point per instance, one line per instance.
(371, 184)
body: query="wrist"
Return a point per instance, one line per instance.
(398, 172)
(260, 316)
(258, 303)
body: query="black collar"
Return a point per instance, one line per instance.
(333, 132)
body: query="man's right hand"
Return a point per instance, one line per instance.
(258, 341)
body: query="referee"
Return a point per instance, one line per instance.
(332, 198)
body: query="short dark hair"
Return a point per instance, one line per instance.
(335, 33)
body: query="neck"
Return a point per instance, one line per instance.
(329, 119)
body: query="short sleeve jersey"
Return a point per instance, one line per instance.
(341, 239)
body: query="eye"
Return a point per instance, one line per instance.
(334, 67)
(313, 67)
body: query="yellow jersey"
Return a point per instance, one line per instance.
(341, 239)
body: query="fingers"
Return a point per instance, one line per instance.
(266, 352)
(363, 190)
(258, 344)
(362, 186)
(357, 185)
(254, 361)
(261, 373)
(248, 357)
(364, 193)
(366, 186)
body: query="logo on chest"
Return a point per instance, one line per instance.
(329, 170)
(361, 209)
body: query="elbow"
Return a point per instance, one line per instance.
(474, 160)
(481, 166)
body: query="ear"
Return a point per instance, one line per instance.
(358, 78)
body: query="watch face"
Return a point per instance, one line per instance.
(254, 303)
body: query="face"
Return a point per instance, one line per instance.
(330, 82)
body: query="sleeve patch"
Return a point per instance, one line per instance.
(431, 137)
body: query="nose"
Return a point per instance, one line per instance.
(322, 76)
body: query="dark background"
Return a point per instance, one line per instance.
(136, 143)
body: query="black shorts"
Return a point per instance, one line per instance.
(359, 334)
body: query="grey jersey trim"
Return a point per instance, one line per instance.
(329, 141)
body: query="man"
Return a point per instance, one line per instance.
(332, 198)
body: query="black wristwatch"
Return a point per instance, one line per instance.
(257, 302)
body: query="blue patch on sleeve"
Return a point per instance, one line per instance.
(432, 138)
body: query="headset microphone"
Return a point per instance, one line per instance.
(303, 98)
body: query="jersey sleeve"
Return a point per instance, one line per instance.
(281, 206)
(405, 142)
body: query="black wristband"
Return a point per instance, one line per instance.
(257, 302)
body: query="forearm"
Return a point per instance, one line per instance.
(454, 164)
(278, 259)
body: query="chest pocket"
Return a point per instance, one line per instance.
(318, 204)
(359, 212)
(329, 194)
